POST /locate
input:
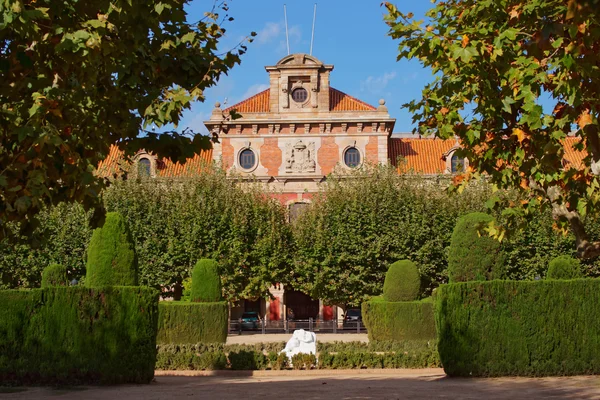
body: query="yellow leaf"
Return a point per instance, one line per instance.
(520, 134)
(465, 41)
(584, 119)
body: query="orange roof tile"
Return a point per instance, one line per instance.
(164, 167)
(419, 155)
(425, 155)
(338, 101)
(255, 104)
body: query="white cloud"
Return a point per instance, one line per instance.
(254, 89)
(377, 84)
(269, 33)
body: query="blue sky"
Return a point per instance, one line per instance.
(350, 34)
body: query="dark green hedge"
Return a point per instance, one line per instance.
(519, 328)
(398, 321)
(76, 335)
(182, 322)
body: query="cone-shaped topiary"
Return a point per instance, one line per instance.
(206, 283)
(54, 275)
(564, 267)
(402, 282)
(474, 256)
(111, 257)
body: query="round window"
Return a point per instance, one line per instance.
(352, 157)
(247, 159)
(299, 95)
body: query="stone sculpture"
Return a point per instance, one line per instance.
(300, 157)
(301, 342)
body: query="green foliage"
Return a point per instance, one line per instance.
(494, 68)
(77, 335)
(78, 78)
(564, 267)
(399, 321)
(357, 227)
(335, 355)
(174, 223)
(54, 275)
(111, 256)
(473, 255)
(206, 283)
(402, 282)
(502, 328)
(61, 238)
(182, 322)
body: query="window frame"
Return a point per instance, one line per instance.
(254, 156)
(358, 154)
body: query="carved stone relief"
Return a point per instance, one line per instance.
(300, 157)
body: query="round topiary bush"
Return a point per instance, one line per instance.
(473, 256)
(54, 275)
(402, 282)
(111, 256)
(206, 283)
(564, 267)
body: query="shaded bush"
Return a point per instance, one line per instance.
(402, 282)
(78, 335)
(54, 275)
(473, 256)
(190, 357)
(564, 267)
(182, 322)
(111, 256)
(206, 283)
(520, 328)
(399, 321)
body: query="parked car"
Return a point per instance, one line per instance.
(250, 320)
(352, 317)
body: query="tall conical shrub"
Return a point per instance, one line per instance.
(54, 275)
(474, 256)
(402, 282)
(206, 283)
(564, 267)
(111, 257)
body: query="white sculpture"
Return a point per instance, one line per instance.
(301, 342)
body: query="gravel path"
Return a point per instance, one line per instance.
(284, 337)
(306, 385)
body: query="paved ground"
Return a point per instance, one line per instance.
(284, 337)
(305, 385)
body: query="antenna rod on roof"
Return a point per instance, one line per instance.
(287, 37)
(312, 39)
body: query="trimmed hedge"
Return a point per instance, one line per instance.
(336, 355)
(206, 283)
(519, 328)
(402, 282)
(183, 322)
(54, 275)
(399, 321)
(564, 267)
(78, 335)
(111, 256)
(471, 256)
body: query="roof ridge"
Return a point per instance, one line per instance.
(352, 98)
(248, 99)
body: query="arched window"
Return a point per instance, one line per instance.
(247, 159)
(352, 157)
(144, 167)
(457, 164)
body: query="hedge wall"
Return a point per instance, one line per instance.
(519, 328)
(181, 322)
(76, 335)
(398, 321)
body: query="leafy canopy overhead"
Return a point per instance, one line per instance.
(514, 78)
(77, 77)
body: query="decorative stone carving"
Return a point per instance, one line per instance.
(300, 158)
(374, 127)
(359, 127)
(321, 128)
(238, 129)
(306, 128)
(301, 342)
(254, 129)
(314, 89)
(327, 128)
(292, 128)
(270, 129)
(344, 128)
(277, 128)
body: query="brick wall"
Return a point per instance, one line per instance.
(327, 155)
(271, 156)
